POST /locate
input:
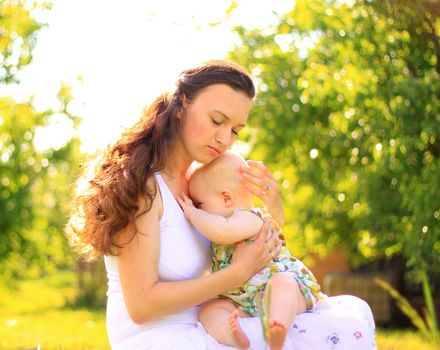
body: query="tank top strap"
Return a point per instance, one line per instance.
(170, 205)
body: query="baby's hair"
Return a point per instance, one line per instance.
(223, 171)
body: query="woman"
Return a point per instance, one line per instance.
(155, 259)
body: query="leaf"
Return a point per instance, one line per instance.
(405, 306)
(265, 316)
(231, 8)
(431, 318)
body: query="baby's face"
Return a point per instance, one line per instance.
(206, 197)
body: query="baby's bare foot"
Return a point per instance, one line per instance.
(239, 336)
(276, 335)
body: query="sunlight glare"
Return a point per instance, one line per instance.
(126, 54)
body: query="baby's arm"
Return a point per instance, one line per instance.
(218, 229)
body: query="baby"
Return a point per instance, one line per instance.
(221, 209)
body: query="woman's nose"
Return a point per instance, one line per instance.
(224, 136)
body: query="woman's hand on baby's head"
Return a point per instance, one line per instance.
(186, 203)
(258, 179)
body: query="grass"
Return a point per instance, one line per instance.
(36, 314)
(402, 340)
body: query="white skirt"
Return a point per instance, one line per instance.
(338, 323)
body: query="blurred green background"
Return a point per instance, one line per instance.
(347, 117)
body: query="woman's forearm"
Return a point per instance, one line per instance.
(277, 212)
(166, 298)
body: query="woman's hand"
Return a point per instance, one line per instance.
(249, 258)
(258, 179)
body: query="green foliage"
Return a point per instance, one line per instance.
(431, 317)
(92, 284)
(347, 115)
(34, 182)
(18, 36)
(34, 192)
(427, 326)
(42, 316)
(20, 168)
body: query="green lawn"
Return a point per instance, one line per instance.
(401, 340)
(35, 314)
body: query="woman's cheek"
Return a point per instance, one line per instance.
(200, 130)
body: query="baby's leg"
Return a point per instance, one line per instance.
(219, 317)
(286, 300)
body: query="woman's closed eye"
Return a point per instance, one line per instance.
(235, 131)
(217, 121)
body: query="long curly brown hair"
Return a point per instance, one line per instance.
(108, 200)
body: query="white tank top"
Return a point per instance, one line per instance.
(184, 254)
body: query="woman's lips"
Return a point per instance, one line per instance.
(214, 151)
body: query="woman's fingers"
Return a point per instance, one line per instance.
(258, 178)
(276, 250)
(253, 178)
(258, 181)
(263, 234)
(260, 166)
(259, 186)
(268, 238)
(273, 240)
(257, 255)
(255, 190)
(256, 170)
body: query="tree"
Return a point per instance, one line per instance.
(33, 182)
(17, 36)
(348, 114)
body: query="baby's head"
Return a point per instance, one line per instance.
(216, 187)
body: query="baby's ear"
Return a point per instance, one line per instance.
(227, 197)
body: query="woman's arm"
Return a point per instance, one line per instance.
(147, 298)
(219, 229)
(258, 179)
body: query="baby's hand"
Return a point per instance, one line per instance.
(186, 204)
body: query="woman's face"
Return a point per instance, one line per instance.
(213, 120)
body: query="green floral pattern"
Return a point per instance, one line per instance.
(249, 296)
